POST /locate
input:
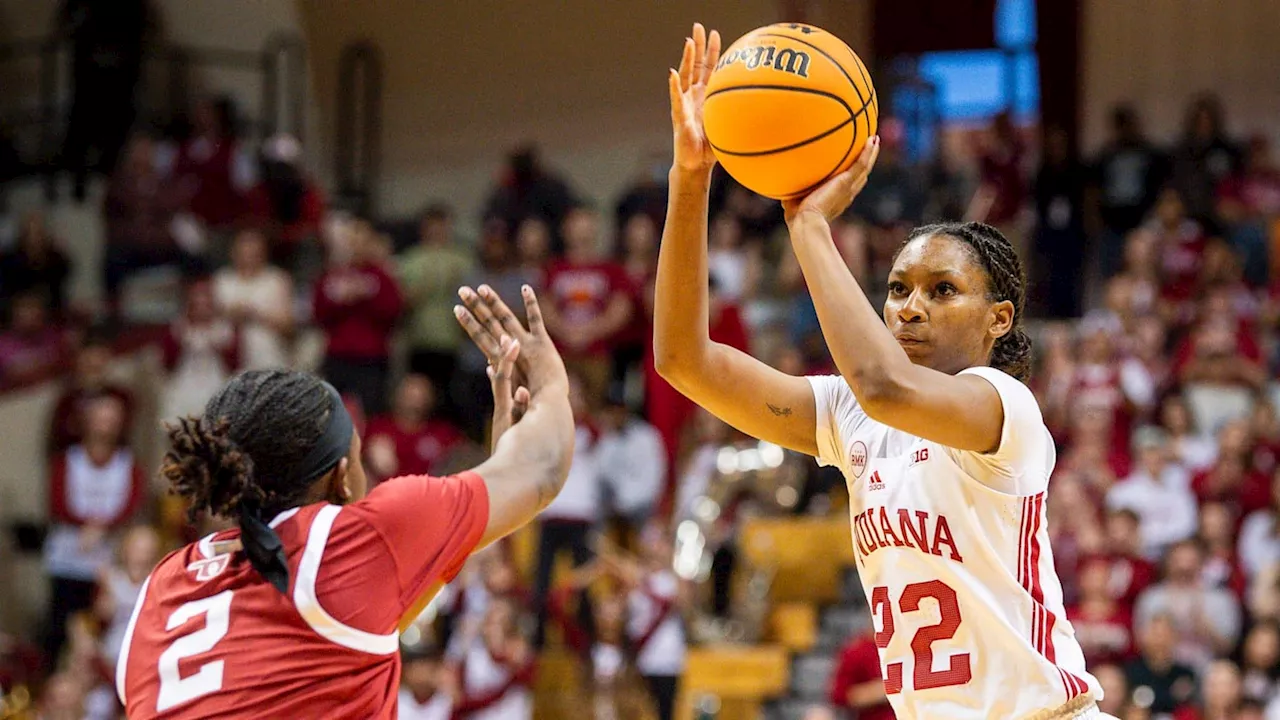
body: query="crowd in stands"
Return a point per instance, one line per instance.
(1154, 277)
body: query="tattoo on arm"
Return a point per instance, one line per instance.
(778, 411)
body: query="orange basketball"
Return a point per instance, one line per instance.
(788, 107)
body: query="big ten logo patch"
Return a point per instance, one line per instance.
(920, 455)
(787, 60)
(210, 568)
(858, 458)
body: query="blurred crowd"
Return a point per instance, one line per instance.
(1151, 274)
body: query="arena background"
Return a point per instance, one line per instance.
(439, 93)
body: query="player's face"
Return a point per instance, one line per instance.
(937, 307)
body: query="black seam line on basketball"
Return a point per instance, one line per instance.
(827, 55)
(792, 146)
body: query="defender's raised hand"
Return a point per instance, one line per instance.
(486, 318)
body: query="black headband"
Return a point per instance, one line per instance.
(333, 445)
(260, 541)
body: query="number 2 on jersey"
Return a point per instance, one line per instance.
(924, 677)
(175, 689)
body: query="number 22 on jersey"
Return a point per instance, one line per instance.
(924, 677)
(175, 689)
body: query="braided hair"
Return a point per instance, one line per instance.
(1006, 280)
(239, 459)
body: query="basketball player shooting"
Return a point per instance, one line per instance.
(295, 612)
(943, 448)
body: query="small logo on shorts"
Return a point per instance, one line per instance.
(858, 458)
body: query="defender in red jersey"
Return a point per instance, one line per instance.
(296, 611)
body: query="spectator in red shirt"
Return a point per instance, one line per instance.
(666, 408)
(1003, 189)
(1232, 481)
(31, 347)
(1103, 625)
(856, 684)
(589, 301)
(286, 202)
(408, 440)
(94, 487)
(1181, 242)
(357, 302)
(1218, 523)
(87, 381)
(1130, 572)
(638, 254)
(213, 166)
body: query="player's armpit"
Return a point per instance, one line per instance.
(751, 396)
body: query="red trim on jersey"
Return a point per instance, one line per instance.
(1042, 620)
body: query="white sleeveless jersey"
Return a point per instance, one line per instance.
(953, 553)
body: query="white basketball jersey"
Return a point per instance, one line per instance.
(953, 552)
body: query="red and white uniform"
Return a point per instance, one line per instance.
(210, 637)
(953, 552)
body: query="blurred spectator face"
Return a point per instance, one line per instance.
(1140, 251)
(1169, 209)
(139, 158)
(139, 551)
(1115, 688)
(611, 613)
(1220, 265)
(1174, 415)
(1217, 525)
(725, 232)
(63, 698)
(533, 241)
(1183, 564)
(1122, 532)
(249, 252)
(639, 236)
(206, 119)
(91, 364)
(436, 227)
(1235, 439)
(1095, 347)
(1149, 337)
(1119, 296)
(499, 624)
(1204, 120)
(581, 231)
(103, 421)
(1264, 420)
(656, 545)
(1258, 158)
(499, 576)
(422, 675)
(30, 315)
(200, 302)
(1157, 638)
(495, 249)
(415, 398)
(1262, 647)
(1093, 580)
(1222, 685)
(1124, 124)
(35, 238)
(1152, 453)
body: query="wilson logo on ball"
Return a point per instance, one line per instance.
(786, 60)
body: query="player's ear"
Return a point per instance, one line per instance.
(338, 490)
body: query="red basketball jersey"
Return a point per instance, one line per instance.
(209, 637)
